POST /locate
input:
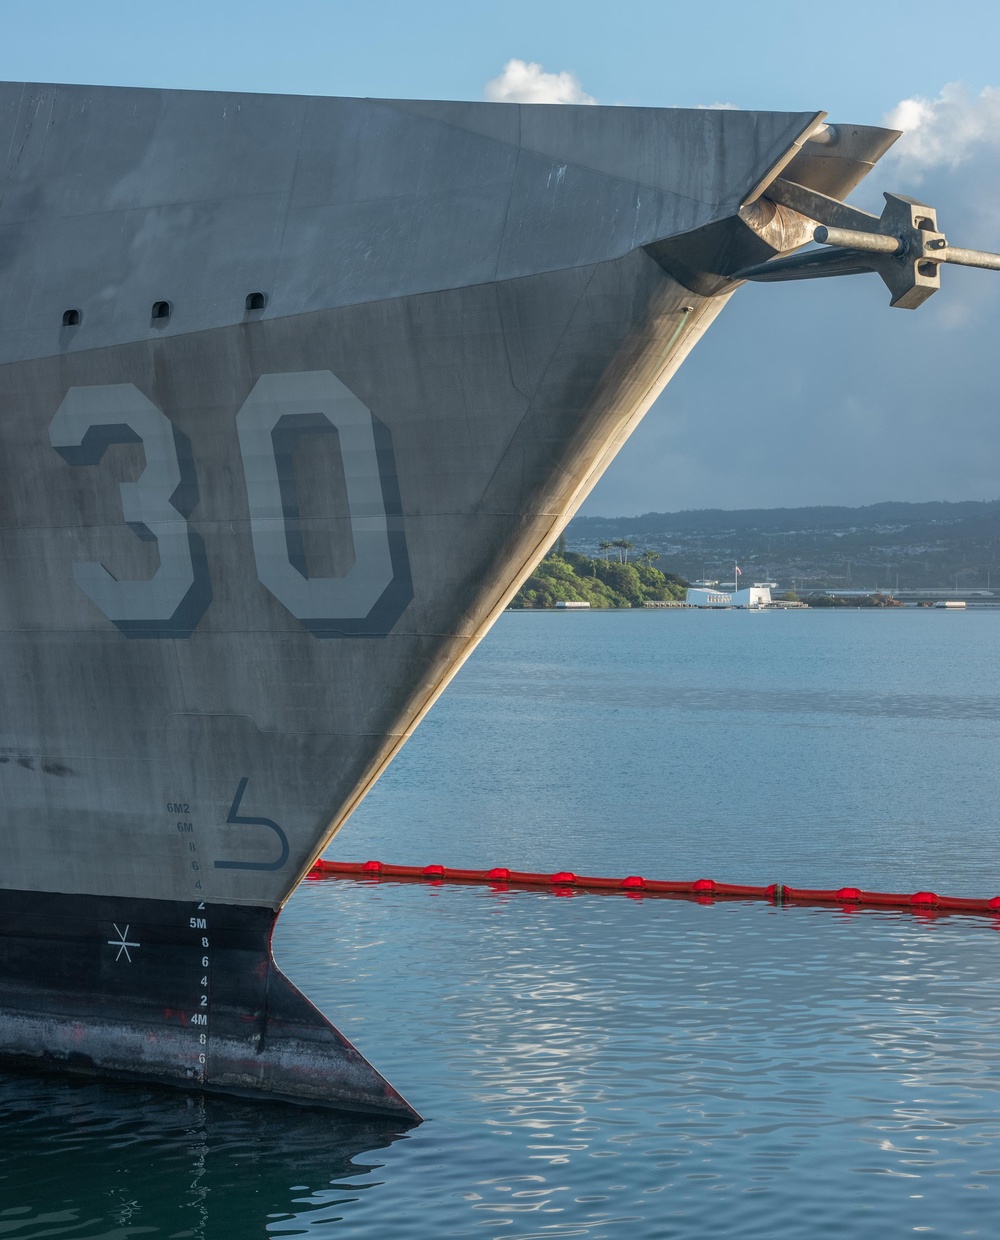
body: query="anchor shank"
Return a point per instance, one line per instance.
(967, 258)
(853, 239)
(819, 207)
(903, 245)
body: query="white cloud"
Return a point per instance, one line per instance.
(949, 154)
(717, 107)
(946, 131)
(525, 81)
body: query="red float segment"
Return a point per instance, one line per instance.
(705, 889)
(590, 882)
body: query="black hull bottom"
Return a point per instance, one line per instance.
(179, 992)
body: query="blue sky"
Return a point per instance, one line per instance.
(780, 55)
(800, 393)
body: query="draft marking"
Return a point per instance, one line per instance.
(123, 943)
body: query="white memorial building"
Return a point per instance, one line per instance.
(704, 595)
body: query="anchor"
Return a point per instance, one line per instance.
(903, 245)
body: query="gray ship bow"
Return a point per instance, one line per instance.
(295, 393)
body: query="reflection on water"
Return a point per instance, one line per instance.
(614, 1067)
(99, 1161)
(815, 749)
(592, 1067)
(620, 1068)
(596, 689)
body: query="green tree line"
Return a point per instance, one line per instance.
(609, 581)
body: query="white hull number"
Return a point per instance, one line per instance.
(366, 601)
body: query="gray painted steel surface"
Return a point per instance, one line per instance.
(245, 548)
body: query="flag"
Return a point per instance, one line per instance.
(739, 571)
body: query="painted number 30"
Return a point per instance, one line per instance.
(366, 601)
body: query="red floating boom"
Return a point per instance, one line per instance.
(705, 889)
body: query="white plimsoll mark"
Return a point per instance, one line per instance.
(123, 943)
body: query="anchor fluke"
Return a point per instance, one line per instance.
(810, 265)
(902, 245)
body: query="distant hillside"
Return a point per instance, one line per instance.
(565, 576)
(921, 545)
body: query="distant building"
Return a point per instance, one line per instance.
(571, 606)
(757, 595)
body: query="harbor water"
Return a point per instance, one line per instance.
(608, 1066)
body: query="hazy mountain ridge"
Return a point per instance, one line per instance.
(949, 545)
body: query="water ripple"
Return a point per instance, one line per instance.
(613, 1068)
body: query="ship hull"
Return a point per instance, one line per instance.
(295, 393)
(132, 741)
(185, 993)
